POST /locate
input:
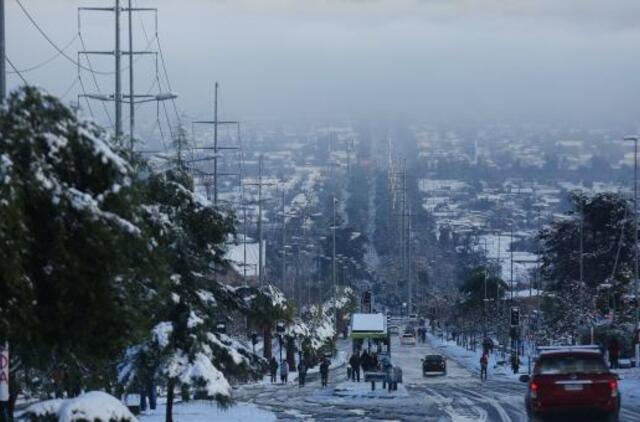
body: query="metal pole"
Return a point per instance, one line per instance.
(3, 69)
(333, 265)
(118, 96)
(215, 148)
(581, 248)
(511, 263)
(635, 244)
(131, 88)
(284, 227)
(409, 264)
(484, 302)
(260, 247)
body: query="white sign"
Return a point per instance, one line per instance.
(4, 373)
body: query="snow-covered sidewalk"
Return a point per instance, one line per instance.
(471, 360)
(199, 411)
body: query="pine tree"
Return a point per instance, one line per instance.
(66, 212)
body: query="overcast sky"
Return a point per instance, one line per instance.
(480, 60)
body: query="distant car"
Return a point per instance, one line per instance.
(569, 381)
(434, 364)
(413, 317)
(394, 329)
(408, 339)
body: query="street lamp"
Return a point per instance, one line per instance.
(634, 139)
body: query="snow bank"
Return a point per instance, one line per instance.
(43, 410)
(94, 406)
(205, 412)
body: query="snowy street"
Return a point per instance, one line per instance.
(458, 396)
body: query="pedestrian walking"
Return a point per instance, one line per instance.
(354, 362)
(284, 372)
(302, 373)
(273, 369)
(515, 363)
(484, 364)
(364, 361)
(324, 372)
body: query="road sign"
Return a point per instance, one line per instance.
(4, 373)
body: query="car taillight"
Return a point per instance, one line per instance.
(533, 387)
(613, 387)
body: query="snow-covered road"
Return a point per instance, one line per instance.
(459, 396)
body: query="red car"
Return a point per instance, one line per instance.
(572, 380)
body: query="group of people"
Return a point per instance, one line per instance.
(365, 362)
(284, 370)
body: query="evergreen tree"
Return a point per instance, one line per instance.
(65, 213)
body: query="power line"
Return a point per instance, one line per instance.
(75, 81)
(93, 76)
(16, 70)
(156, 37)
(54, 45)
(49, 60)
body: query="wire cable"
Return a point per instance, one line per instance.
(84, 91)
(49, 60)
(75, 81)
(156, 37)
(16, 70)
(93, 76)
(54, 45)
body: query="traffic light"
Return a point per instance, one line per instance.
(515, 317)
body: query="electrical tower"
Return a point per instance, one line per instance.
(118, 98)
(260, 184)
(215, 148)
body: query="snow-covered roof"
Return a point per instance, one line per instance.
(368, 322)
(236, 254)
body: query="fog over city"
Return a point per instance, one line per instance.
(452, 60)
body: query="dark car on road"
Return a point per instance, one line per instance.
(434, 364)
(572, 382)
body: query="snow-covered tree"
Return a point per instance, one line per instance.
(66, 226)
(188, 233)
(604, 224)
(265, 306)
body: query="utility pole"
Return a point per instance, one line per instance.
(511, 264)
(131, 90)
(635, 244)
(118, 75)
(4, 344)
(118, 97)
(260, 184)
(333, 264)
(260, 247)
(284, 250)
(581, 248)
(215, 146)
(216, 122)
(635, 247)
(3, 65)
(260, 234)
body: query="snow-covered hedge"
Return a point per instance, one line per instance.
(94, 406)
